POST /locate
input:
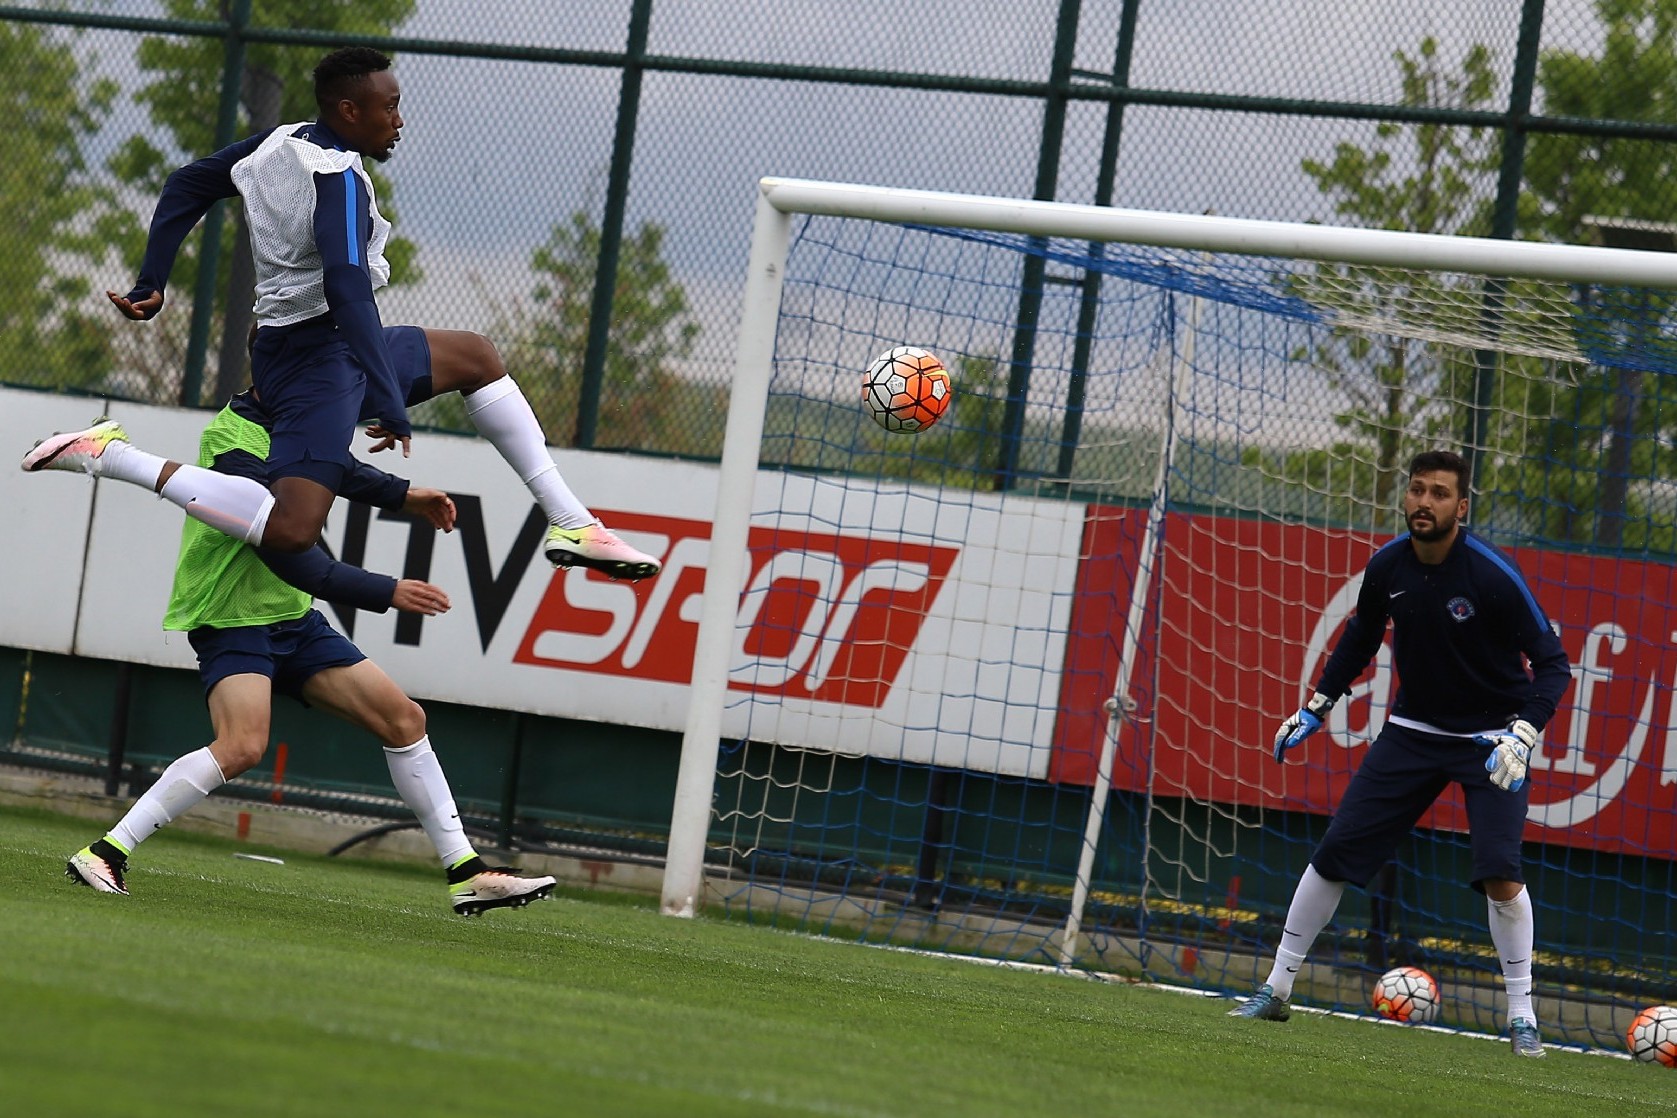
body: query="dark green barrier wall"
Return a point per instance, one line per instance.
(612, 786)
(12, 663)
(574, 775)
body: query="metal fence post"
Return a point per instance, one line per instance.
(611, 226)
(1504, 219)
(1036, 267)
(209, 253)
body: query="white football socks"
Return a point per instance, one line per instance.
(180, 787)
(420, 781)
(1513, 932)
(1314, 902)
(234, 506)
(127, 462)
(502, 415)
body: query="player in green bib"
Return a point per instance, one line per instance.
(218, 581)
(249, 614)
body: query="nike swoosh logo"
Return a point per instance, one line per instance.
(1292, 970)
(1397, 593)
(1513, 962)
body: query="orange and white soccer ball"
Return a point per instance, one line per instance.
(906, 389)
(1652, 1037)
(1407, 994)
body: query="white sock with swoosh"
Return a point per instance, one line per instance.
(419, 779)
(1314, 903)
(179, 787)
(1513, 932)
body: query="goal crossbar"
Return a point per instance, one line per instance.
(1372, 247)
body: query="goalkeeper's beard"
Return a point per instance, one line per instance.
(1433, 530)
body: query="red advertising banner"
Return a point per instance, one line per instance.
(824, 616)
(1242, 615)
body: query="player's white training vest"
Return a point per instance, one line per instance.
(277, 184)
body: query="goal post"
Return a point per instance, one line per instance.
(1031, 719)
(747, 403)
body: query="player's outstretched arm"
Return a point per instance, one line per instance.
(1351, 654)
(316, 572)
(187, 196)
(349, 294)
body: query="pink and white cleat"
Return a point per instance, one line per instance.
(598, 548)
(497, 887)
(99, 869)
(76, 450)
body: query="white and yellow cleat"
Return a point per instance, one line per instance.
(101, 871)
(497, 887)
(598, 548)
(76, 450)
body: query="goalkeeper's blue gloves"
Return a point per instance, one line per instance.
(1301, 725)
(1510, 751)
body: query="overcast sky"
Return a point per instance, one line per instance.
(702, 142)
(496, 154)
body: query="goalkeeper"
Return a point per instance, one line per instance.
(255, 634)
(1467, 710)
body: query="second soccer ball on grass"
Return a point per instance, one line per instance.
(1407, 994)
(906, 389)
(1652, 1037)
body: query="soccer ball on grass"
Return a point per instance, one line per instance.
(1652, 1037)
(1407, 994)
(906, 389)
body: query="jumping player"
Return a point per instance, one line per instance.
(321, 359)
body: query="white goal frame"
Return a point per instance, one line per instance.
(780, 200)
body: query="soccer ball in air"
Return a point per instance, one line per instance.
(906, 389)
(1652, 1037)
(1407, 994)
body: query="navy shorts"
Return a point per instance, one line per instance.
(410, 355)
(1404, 772)
(315, 392)
(289, 653)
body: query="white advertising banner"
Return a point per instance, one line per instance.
(45, 535)
(874, 620)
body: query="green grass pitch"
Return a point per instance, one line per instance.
(327, 987)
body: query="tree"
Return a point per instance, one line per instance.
(52, 212)
(1426, 178)
(184, 101)
(643, 396)
(1588, 482)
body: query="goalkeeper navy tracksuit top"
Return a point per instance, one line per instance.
(1462, 632)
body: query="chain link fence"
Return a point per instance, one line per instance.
(576, 180)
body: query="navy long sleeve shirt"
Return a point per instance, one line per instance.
(347, 242)
(1460, 629)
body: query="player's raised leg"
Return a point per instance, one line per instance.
(364, 695)
(468, 363)
(287, 518)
